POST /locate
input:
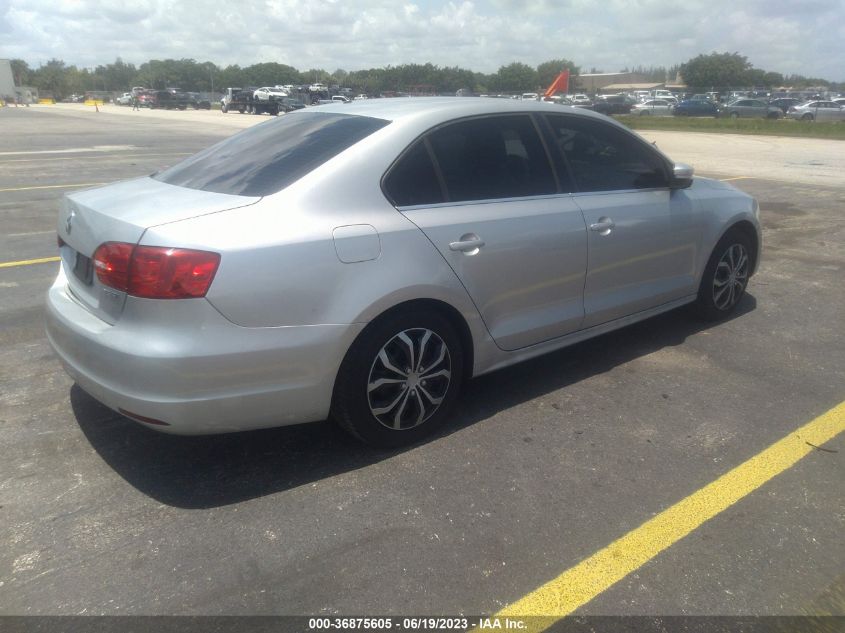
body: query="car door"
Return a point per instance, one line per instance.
(484, 192)
(829, 111)
(642, 236)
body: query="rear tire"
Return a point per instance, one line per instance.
(378, 400)
(807, 117)
(725, 277)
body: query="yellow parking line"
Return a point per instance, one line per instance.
(737, 178)
(83, 184)
(580, 584)
(29, 262)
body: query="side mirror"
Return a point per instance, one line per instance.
(681, 176)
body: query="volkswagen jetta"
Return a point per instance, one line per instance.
(361, 261)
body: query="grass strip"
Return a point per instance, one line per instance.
(766, 127)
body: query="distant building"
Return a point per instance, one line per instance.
(7, 80)
(595, 82)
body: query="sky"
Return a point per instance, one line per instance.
(787, 36)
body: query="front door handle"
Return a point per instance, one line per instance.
(603, 226)
(467, 244)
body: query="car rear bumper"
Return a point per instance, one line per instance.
(196, 371)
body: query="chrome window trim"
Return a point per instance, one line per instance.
(463, 203)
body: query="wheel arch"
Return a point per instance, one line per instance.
(446, 310)
(748, 230)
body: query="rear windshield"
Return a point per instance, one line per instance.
(269, 157)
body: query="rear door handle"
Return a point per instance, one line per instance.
(467, 244)
(603, 226)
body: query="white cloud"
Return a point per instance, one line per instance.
(354, 34)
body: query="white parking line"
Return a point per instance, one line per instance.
(75, 150)
(31, 233)
(44, 160)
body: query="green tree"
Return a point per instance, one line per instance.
(548, 71)
(771, 79)
(51, 78)
(270, 74)
(515, 77)
(716, 71)
(117, 76)
(20, 72)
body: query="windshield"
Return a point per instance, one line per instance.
(270, 156)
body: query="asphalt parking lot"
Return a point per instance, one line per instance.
(546, 463)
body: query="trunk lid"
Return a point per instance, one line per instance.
(121, 213)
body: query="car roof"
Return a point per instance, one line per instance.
(445, 108)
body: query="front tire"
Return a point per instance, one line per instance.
(725, 277)
(399, 379)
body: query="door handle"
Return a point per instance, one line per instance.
(467, 244)
(603, 226)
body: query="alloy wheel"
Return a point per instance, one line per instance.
(409, 379)
(731, 277)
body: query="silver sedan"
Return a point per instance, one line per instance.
(817, 111)
(362, 261)
(653, 107)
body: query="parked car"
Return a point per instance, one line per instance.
(145, 98)
(168, 99)
(784, 103)
(652, 107)
(198, 102)
(817, 111)
(613, 104)
(268, 92)
(662, 94)
(288, 104)
(696, 107)
(341, 99)
(530, 96)
(240, 289)
(124, 99)
(751, 108)
(360, 97)
(581, 100)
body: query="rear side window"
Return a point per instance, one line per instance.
(413, 179)
(492, 157)
(269, 157)
(603, 158)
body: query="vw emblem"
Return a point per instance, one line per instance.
(69, 222)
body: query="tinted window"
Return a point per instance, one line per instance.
(269, 157)
(413, 179)
(603, 158)
(493, 157)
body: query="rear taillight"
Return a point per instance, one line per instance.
(111, 262)
(155, 272)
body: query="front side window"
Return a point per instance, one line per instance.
(268, 157)
(492, 157)
(603, 158)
